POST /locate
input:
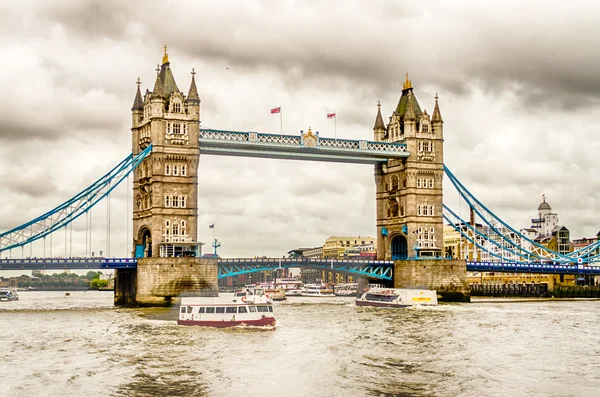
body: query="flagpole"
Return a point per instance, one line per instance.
(280, 122)
(335, 124)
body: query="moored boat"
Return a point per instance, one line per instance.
(317, 290)
(250, 307)
(8, 295)
(396, 297)
(349, 289)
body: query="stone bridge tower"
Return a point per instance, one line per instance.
(165, 184)
(409, 191)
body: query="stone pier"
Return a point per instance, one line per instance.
(156, 281)
(447, 277)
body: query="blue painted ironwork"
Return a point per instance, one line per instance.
(381, 270)
(532, 267)
(73, 208)
(521, 246)
(67, 263)
(294, 147)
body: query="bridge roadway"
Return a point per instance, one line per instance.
(298, 147)
(382, 270)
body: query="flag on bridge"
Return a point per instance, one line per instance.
(276, 110)
(211, 226)
(331, 115)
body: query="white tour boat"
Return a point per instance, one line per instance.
(316, 290)
(396, 297)
(349, 289)
(250, 307)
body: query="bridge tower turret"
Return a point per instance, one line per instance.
(409, 191)
(165, 185)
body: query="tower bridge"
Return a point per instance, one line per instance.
(407, 156)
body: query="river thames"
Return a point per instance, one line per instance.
(53, 345)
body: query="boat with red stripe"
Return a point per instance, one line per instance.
(242, 308)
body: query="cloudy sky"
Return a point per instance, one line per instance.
(518, 83)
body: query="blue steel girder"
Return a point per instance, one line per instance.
(382, 270)
(528, 267)
(296, 147)
(67, 263)
(73, 208)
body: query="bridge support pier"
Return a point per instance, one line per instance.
(447, 277)
(157, 281)
(125, 285)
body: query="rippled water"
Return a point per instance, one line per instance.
(53, 345)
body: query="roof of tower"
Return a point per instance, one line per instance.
(193, 93)
(437, 116)
(379, 125)
(544, 205)
(165, 82)
(410, 110)
(138, 104)
(405, 98)
(158, 87)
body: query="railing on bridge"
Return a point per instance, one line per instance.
(540, 268)
(67, 263)
(298, 147)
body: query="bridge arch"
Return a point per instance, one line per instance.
(398, 247)
(143, 246)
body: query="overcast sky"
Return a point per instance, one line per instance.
(518, 83)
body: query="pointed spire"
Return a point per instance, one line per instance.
(437, 116)
(165, 56)
(193, 93)
(379, 125)
(410, 111)
(407, 83)
(138, 104)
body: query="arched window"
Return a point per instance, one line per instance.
(167, 169)
(167, 201)
(394, 182)
(182, 201)
(183, 170)
(175, 170)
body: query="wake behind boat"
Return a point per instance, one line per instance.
(396, 297)
(250, 307)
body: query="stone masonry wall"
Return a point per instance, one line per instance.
(161, 279)
(447, 277)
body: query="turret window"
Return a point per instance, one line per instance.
(183, 170)
(167, 169)
(175, 170)
(177, 107)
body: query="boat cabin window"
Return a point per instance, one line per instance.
(190, 308)
(230, 309)
(380, 298)
(210, 309)
(240, 294)
(242, 309)
(252, 309)
(183, 309)
(220, 310)
(201, 309)
(270, 308)
(263, 309)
